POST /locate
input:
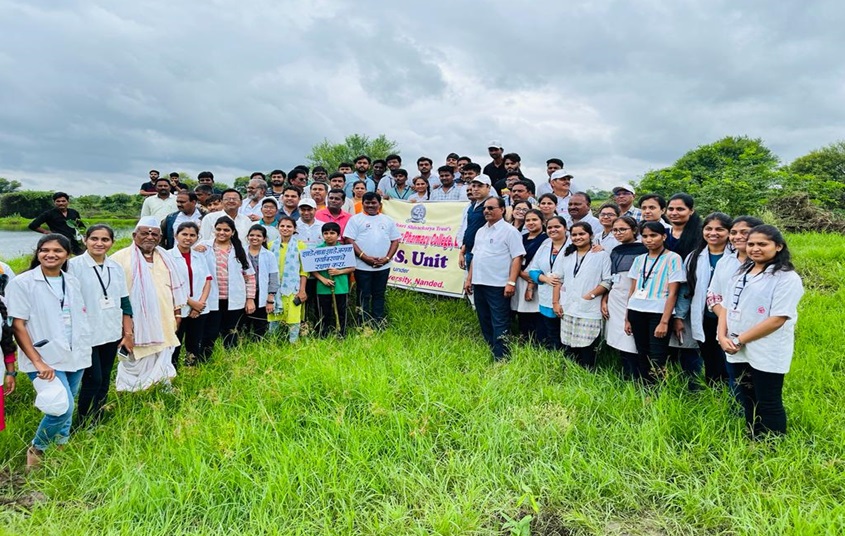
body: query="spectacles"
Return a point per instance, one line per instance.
(607, 215)
(489, 208)
(619, 231)
(622, 193)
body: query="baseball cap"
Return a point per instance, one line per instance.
(307, 202)
(51, 397)
(627, 187)
(560, 174)
(483, 179)
(495, 143)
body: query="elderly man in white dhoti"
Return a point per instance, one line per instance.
(157, 294)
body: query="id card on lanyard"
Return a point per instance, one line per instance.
(106, 302)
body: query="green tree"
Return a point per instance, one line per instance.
(737, 175)
(821, 173)
(330, 155)
(7, 186)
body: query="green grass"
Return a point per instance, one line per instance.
(414, 431)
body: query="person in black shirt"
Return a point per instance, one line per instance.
(495, 169)
(175, 185)
(62, 220)
(149, 188)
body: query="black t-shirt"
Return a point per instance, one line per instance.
(150, 186)
(496, 174)
(59, 223)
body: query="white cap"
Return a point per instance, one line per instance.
(147, 221)
(626, 187)
(307, 202)
(560, 174)
(483, 179)
(270, 198)
(495, 143)
(51, 397)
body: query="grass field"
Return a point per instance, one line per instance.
(415, 431)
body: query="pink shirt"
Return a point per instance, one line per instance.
(341, 219)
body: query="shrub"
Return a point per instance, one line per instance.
(27, 203)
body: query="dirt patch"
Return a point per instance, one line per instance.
(14, 496)
(796, 213)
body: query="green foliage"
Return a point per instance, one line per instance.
(330, 155)
(26, 203)
(7, 186)
(240, 184)
(821, 173)
(413, 430)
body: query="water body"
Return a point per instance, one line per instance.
(19, 243)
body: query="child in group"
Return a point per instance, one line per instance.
(214, 203)
(202, 294)
(332, 288)
(655, 278)
(291, 294)
(757, 328)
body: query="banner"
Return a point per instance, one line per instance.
(427, 259)
(319, 259)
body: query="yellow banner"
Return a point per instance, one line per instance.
(427, 259)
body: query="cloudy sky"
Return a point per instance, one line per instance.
(94, 93)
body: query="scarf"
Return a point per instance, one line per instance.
(146, 316)
(623, 255)
(531, 246)
(290, 270)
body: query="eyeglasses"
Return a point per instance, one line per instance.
(622, 193)
(607, 215)
(619, 231)
(490, 208)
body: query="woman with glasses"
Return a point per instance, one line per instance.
(524, 301)
(518, 211)
(604, 240)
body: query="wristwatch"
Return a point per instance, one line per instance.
(735, 341)
(12, 373)
(592, 296)
(512, 283)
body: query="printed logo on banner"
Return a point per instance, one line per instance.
(418, 213)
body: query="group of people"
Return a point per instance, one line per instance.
(652, 280)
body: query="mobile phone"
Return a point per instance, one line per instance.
(40, 343)
(122, 351)
(297, 301)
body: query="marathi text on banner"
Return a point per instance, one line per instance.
(319, 259)
(427, 258)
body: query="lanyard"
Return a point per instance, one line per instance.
(738, 290)
(105, 287)
(62, 297)
(552, 256)
(646, 277)
(577, 267)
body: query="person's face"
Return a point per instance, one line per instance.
(606, 217)
(186, 238)
(761, 249)
(298, 180)
(420, 186)
(99, 242)
(519, 210)
(184, 204)
(153, 176)
(223, 233)
(555, 230)
(335, 201)
(215, 205)
(337, 183)
(622, 232)
(519, 192)
(255, 238)
(551, 167)
(306, 213)
(578, 207)
(739, 235)
(715, 234)
(378, 169)
(61, 203)
(480, 191)
(651, 210)
(174, 180)
(330, 237)
(201, 197)
(231, 202)
(678, 213)
(286, 228)
(206, 180)
(532, 222)
(547, 207)
(254, 191)
(492, 211)
(371, 207)
(52, 255)
(318, 194)
(468, 175)
(652, 240)
(346, 170)
(359, 190)
(320, 176)
(163, 188)
(580, 237)
(269, 211)
(461, 164)
(290, 199)
(277, 179)
(446, 179)
(623, 198)
(362, 166)
(511, 165)
(494, 152)
(561, 185)
(146, 238)
(424, 166)
(452, 161)
(400, 179)
(394, 164)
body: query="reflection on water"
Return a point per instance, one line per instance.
(18, 243)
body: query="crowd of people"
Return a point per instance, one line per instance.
(653, 281)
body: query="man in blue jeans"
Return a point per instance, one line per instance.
(375, 239)
(497, 260)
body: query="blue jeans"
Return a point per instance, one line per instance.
(493, 310)
(371, 289)
(57, 428)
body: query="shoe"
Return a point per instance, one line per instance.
(33, 457)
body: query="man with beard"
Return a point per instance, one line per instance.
(149, 188)
(319, 174)
(256, 190)
(512, 165)
(62, 220)
(299, 178)
(277, 184)
(162, 204)
(424, 165)
(290, 202)
(362, 166)
(157, 292)
(393, 162)
(496, 168)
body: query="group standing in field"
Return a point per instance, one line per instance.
(648, 277)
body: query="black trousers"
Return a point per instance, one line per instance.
(191, 333)
(586, 356)
(222, 323)
(715, 362)
(255, 325)
(761, 394)
(652, 352)
(94, 387)
(328, 321)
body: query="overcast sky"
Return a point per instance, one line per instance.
(94, 94)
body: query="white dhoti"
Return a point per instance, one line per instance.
(145, 372)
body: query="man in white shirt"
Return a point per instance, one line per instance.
(161, 204)
(231, 205)
(579, 211)
(256, 190)
(497, 260)
(308, 229)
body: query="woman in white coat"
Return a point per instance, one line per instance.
(266, 268)
(194, 267)
(544, 270)
(51, 327)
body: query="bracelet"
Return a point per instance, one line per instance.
(12, 373)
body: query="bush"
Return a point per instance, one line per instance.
(27, 203)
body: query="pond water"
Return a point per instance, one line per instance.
(18, 243)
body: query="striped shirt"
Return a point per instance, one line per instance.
(652, 278)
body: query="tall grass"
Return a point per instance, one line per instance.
(415, 431)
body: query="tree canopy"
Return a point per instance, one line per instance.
(330, 155)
